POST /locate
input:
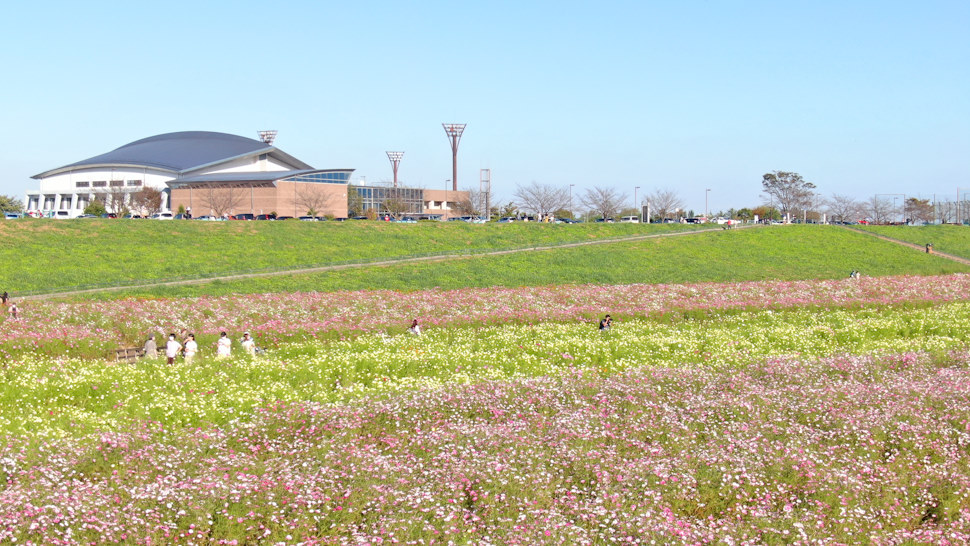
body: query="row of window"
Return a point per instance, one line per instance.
(339, 177)
(105, 184)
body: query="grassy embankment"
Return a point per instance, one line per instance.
(778, 252)
(47, 255)
(951, 239)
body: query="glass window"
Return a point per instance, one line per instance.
(134, 183)
(82, 184)
(117, 183)
(99, 183)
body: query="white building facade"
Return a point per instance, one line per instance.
(156, 162)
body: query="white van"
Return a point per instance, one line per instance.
(630, 220)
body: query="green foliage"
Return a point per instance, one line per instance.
(10, 204)
(95, 207)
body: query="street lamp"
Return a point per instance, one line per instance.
(571, 198)
(636, 204)
(707, 192)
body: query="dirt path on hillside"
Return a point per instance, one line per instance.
(921, 248)
(394, 261)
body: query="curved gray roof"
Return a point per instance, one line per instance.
(181, 152)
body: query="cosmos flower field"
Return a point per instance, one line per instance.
(818, 412)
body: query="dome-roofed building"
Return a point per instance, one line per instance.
(205, 172)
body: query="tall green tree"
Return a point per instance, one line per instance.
(789, 190)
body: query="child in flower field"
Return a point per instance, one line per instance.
(191, 347)
(223, 346)
(248, 344)
(13, 310)
(172, 348)
(414, 329)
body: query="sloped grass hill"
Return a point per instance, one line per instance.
(56, 254)
(777, 252)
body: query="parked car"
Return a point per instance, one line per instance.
(265, 217)
(605, 220)
(11, 215)
(163, 216)
(109, 215)
(133, 216)
(506, 220)
(246, 216)
(62, 214)
(630, 220)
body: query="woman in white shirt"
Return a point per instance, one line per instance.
(223, 346)
(191, 347)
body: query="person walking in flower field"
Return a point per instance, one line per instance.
(190, 348)
(172, 348)
(223, 347)
(150, 349)
(13, 310)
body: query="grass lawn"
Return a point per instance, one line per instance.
(952, 239)
(51, 254)
(777, 252)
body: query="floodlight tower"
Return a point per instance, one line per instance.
(395, 158)
(267, 136)
(454, 131)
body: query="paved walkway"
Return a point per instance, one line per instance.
(393, 261)
(921, 248)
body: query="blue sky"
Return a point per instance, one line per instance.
(859, 97)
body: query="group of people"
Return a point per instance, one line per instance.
(188, 348)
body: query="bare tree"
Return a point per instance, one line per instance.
(147, 201)
(843, 208)
(918, 210)
(541, 199)
(664, 203)
(395, 204)
(879, 209)
(790, 190)
(603, 201)
(312, 198)
(946, 210)
(355, 202)
(475, 204)
(116, 199)
(222, 200)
